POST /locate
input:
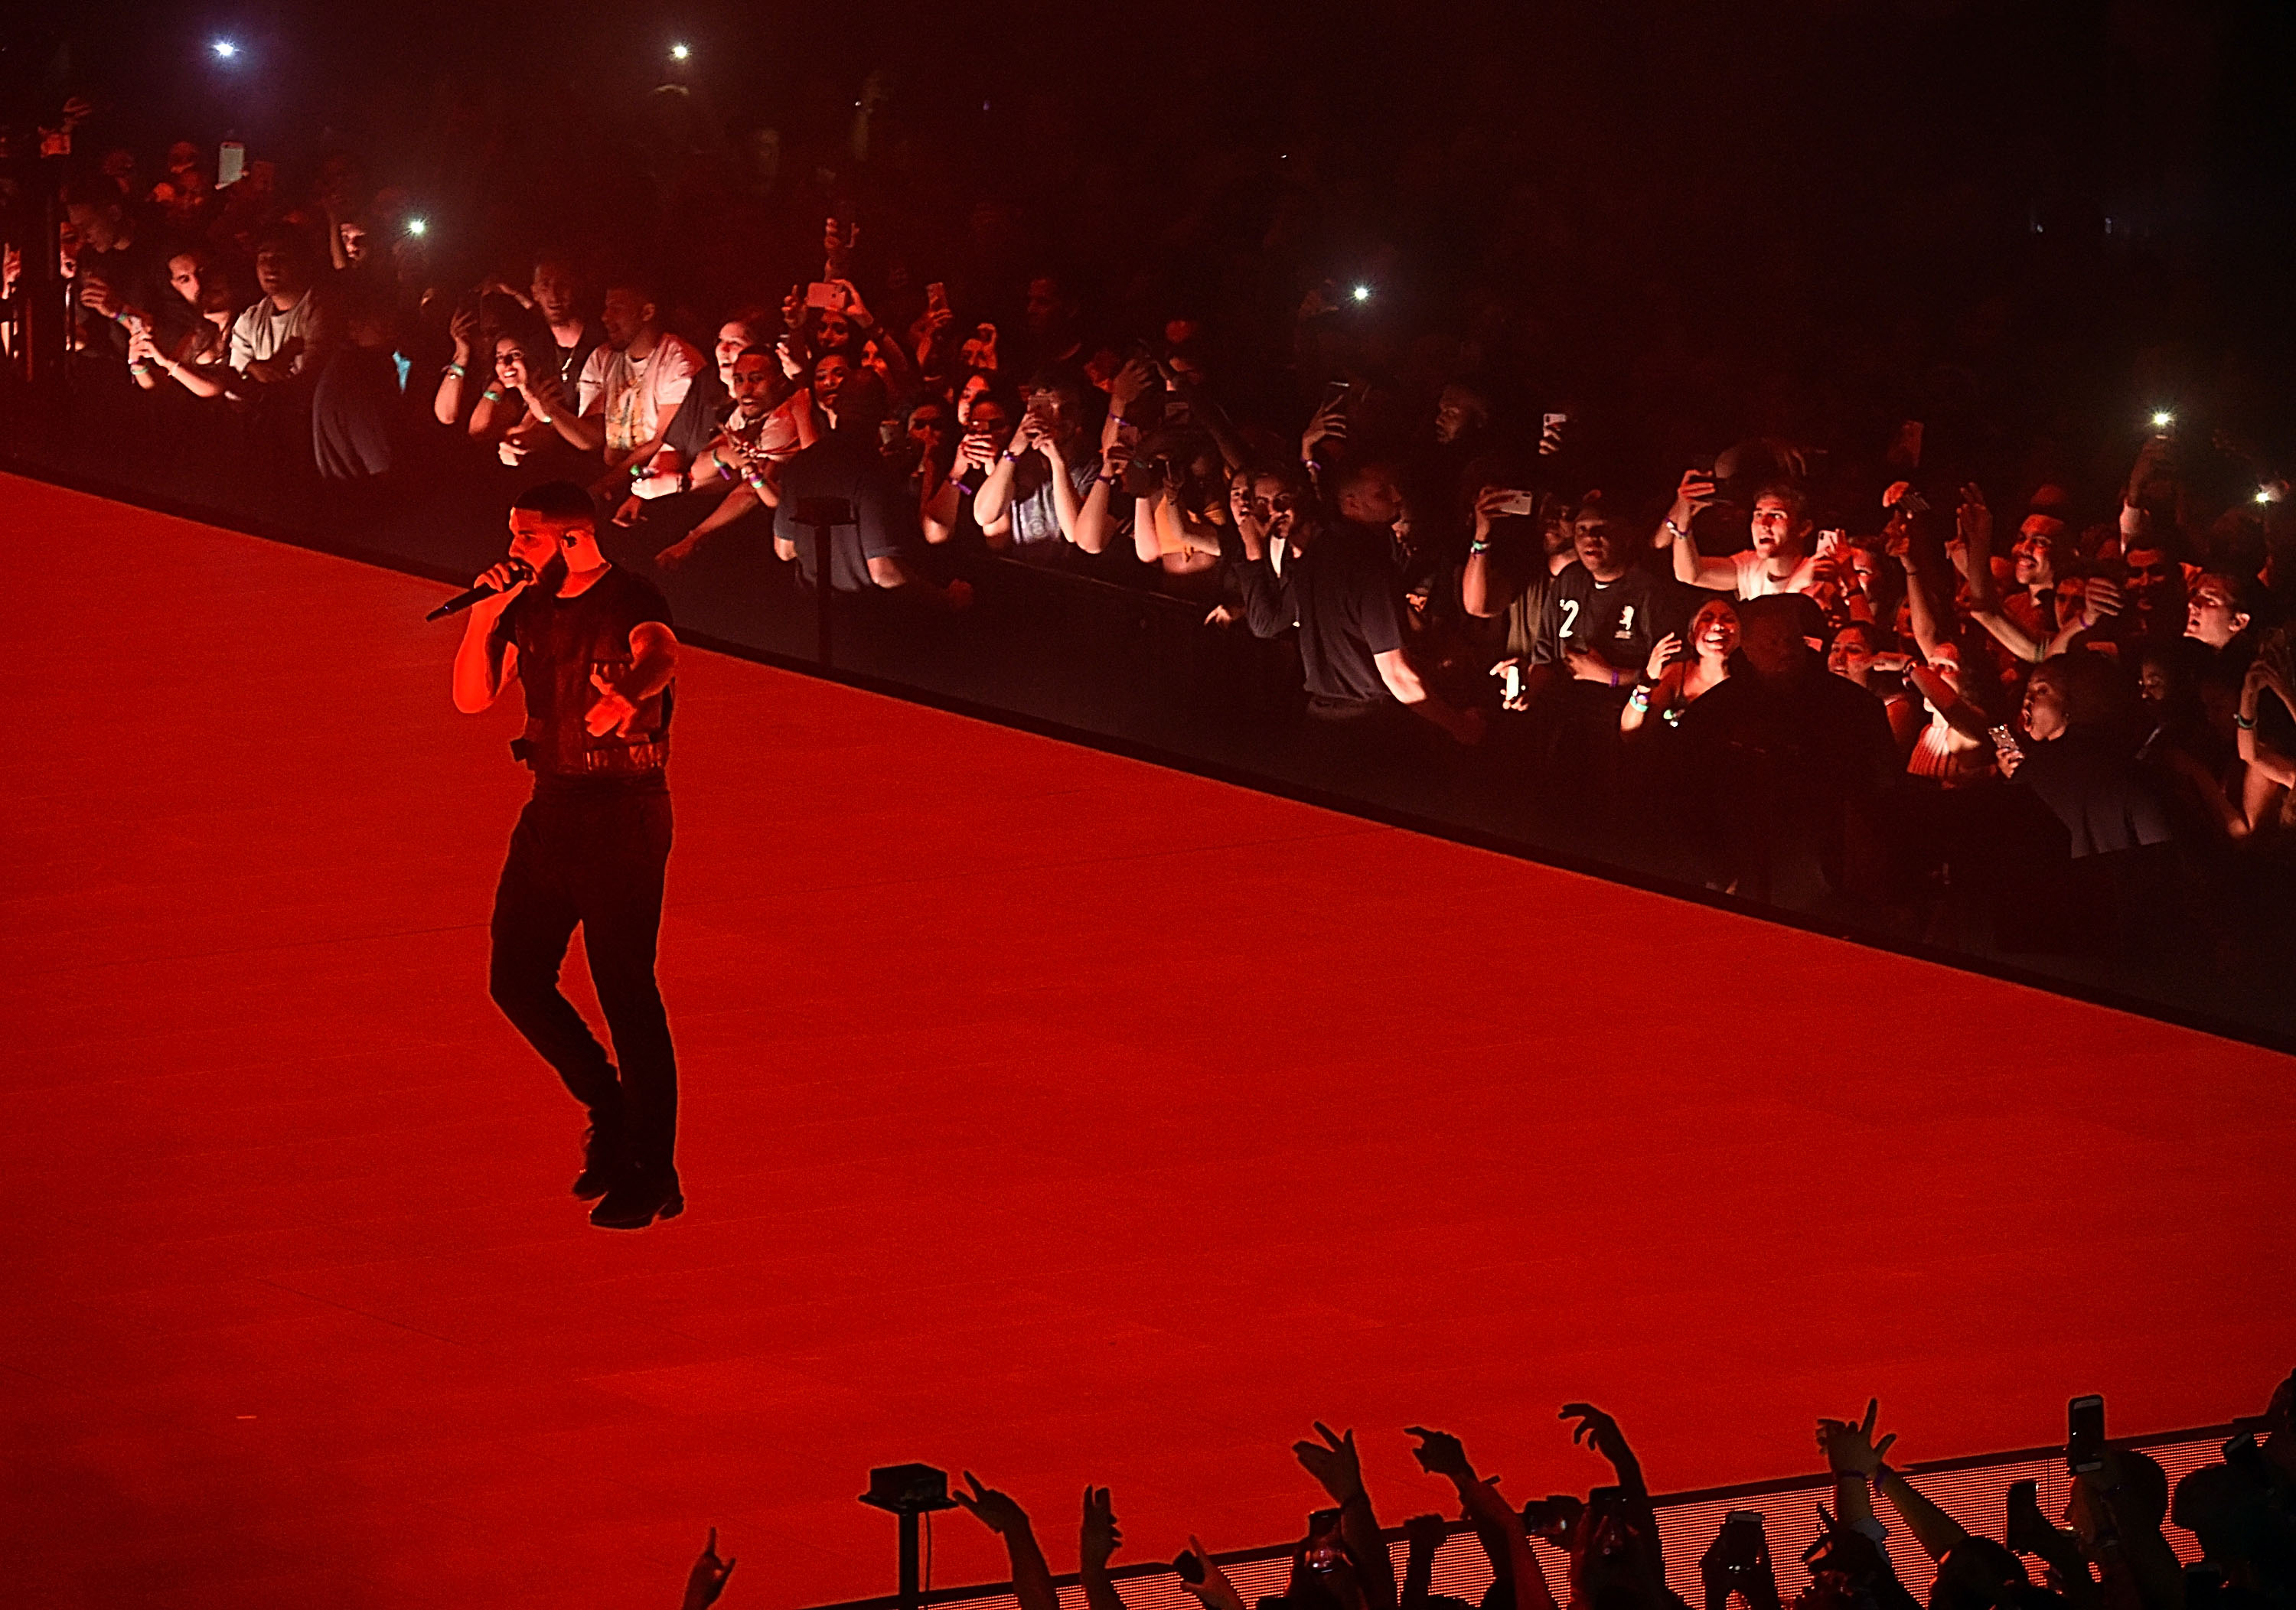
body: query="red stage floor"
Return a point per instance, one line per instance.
(1047, 1114)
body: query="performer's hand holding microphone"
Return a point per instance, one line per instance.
(493, 591)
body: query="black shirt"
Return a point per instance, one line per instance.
(2097, 789)
(1340, 592)
(561, 641)
(846, 467)
(695, 424)
(1786, 763)
(1620, 620)
(571, 360)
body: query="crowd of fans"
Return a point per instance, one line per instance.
(2107, 1551)
(1836, 675)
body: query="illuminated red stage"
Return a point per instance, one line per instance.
(1046, 1114)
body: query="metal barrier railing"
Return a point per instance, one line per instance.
(1973, 1490)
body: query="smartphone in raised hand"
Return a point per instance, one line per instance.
(2084, 1435)
(2027, 1528)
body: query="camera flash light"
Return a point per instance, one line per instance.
(2265, 494)
(1362, 293)
(416, 226)
(679, 53)
(2162, 419)
(225, 50)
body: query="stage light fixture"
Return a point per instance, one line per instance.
(907, 1491)
(679, 53)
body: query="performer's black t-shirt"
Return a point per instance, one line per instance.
(561, 641)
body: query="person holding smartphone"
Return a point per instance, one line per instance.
(1034, 494)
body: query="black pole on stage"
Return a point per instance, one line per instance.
(40, 311)
(825, 515)
(906, 1491)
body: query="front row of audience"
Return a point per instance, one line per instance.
(2106, 1551)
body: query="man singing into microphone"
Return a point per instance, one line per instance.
(592, 648)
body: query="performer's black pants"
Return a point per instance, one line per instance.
(596, 859)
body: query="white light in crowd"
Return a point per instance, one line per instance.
(679, 53)
(2265, 494)
(2162, 420)
(416, 226)
(225, 49)
(1362, 293)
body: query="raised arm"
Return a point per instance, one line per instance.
(1601, 1433)
(992, 505)
(2262, 757)
(1695, 491)
(1439, 1453)
(1333, 1462)
(1096, 1543)
(1483, 591)
(1032, 1578)
(1850, 1447)
(1094, 521)
(1927, 618)
(1974, 521)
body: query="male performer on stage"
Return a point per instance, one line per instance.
(591, 646)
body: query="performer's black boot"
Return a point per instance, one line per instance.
(604, 1148)
(639, 1196)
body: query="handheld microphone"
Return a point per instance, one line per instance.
(520, 571)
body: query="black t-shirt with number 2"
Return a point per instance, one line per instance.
(1620, 620)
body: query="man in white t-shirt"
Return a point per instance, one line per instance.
(1780, 560)
(632, 385)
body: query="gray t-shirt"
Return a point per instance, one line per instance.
(1035, 520)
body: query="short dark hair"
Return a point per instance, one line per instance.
(1791, 495)
(559, 501)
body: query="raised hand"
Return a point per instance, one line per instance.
(993, 1510)
(1697, 488)
(1331, 421)
(1125, 388)
(1100, 1538)
(1490, 502)
(1439, 1453)
(1661, 655)
(1850, 1446)
(707, 1579)
(1215, 1589)
(1973, 521)
(2100, 602)
(465, 328)
(1596, 1429)
(1333, 1462)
